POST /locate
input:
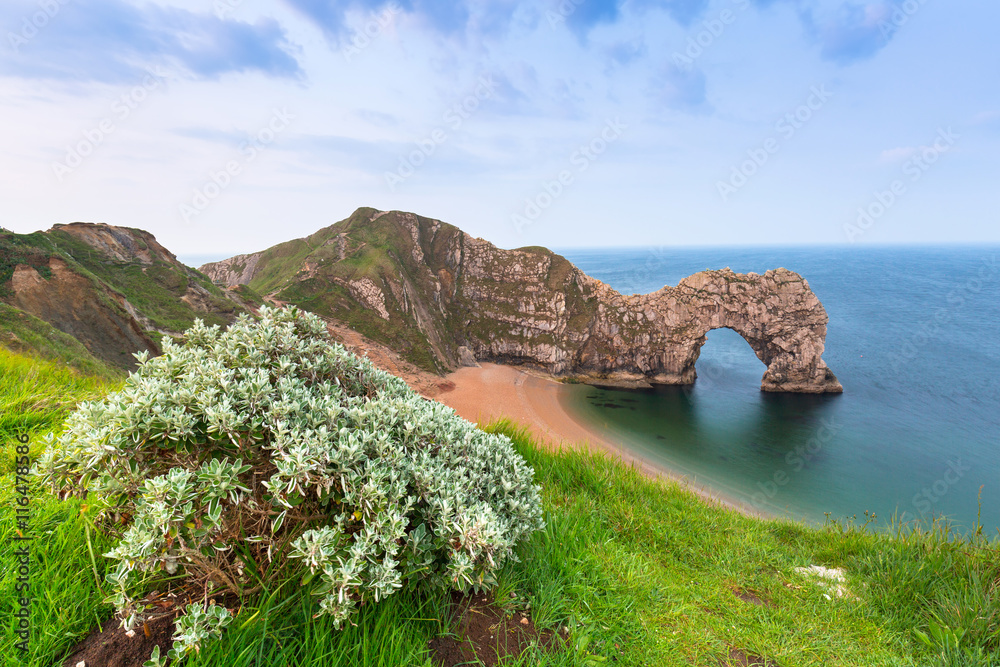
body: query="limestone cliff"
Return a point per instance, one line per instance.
(435, 293)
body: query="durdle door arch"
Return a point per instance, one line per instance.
(657, 338)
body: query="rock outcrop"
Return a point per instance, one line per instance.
(444, 299)
(657, 338)
(238, 270)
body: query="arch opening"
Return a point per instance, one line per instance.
(726, 357)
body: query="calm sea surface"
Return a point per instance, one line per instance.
(914, 336)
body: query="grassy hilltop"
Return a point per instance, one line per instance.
(316, 273)
(637, 571)
(91, 294)
(402, 279)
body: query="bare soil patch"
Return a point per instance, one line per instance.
(739, 658)
(751, 596)
(483, 631)
(109, 646)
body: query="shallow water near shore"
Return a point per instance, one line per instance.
(914, 336)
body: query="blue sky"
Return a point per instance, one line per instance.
(226, 126)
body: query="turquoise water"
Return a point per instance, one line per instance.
(914, 336)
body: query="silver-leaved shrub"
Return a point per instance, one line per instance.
(267, 448)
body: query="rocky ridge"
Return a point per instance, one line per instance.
(444, 298)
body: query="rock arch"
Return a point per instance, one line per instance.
(659, 336)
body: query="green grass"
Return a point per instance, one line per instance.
(641, 571)
(36, 395)
(66, 601)
(279, 629)
(248, 295)
(23, 333)
(652, 570)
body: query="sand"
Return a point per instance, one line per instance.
(492, 391)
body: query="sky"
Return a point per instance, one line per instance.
(226, 126)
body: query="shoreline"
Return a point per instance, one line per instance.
(538, 402)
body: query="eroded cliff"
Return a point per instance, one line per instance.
(444, 298)
(114, 289)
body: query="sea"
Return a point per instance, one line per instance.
(914, 337)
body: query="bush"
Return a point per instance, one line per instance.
(267, 450)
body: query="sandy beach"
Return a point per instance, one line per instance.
(529, 398)
(537, 402)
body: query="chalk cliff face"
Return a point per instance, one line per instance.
(442, 297)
